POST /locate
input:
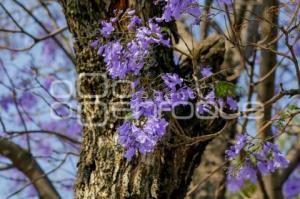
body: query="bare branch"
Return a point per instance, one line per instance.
(294, 157)
(69, 54)
(24, 161)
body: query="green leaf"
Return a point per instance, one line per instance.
(292, 107)
(248, 190)
(129, 116)
(224, 89)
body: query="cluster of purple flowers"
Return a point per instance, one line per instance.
(212, 100)
(175, 90)
(247, 159)
(175, 8)
(149, 109)
(143, 139)
(6, 101)
(147, 127)
(123, 57)
(26, 99)
(291, 187)
(107, 28)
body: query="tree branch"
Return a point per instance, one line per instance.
(24, 161)
(294, 157)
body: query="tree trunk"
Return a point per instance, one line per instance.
(211, 165)
(266, 88)
(103, 172)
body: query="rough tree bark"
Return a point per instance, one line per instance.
(103, 172)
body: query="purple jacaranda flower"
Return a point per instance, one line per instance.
(231, 153)
(206, 71)
(210, 97)
(205, 106)
(151, 35)
(231, 103)
(24, 83)
(115, 63)
(135, 56)
(94, 44)
(143, 139)
(236, 149)
(159, 97)
(175, 8)
(274, 130)
(48, 81)
(267, 146)
(263, 168)
(297, 48)
(129, 153)
(62, 110)
(291, 188)
(106, 29)
(49, 126)
(148, 108)
(44, 147)
(32, 192)
(241, 141)
(146, 144)
(49, 49)
(122, 59)
(194, 10)
(248, 172)
(5, 101)
(135, 103)
(156, 127)
(124, 131)
(265, 159)
(172, 80)
(201, 108)
(183, 94)
(135, 84)
(153, 130)
(74, 129)
(27, 100)
(234, 183)
(228, 2)
(280, 161)
(221, 102)
(188, 92)
(114, 20)
(271, 165)
(136, 131)
(101, 49)
(134, 21)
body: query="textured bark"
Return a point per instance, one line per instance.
(212, 159)
(103, 172)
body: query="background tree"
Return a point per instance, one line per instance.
(243, 51)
